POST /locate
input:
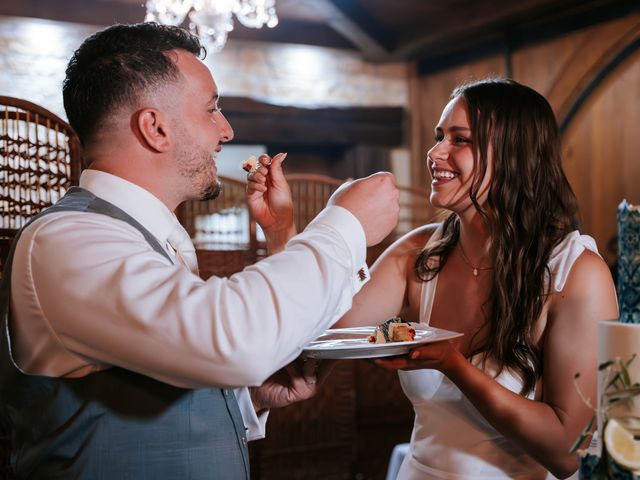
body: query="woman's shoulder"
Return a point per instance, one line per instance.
(588, 269)
(589, 290)
(416, 238)
(404, 250)
(573, 251)
(580, 272)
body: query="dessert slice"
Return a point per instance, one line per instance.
(393, 330)
(250, 164)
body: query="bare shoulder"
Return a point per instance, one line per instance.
(415, 239)
(402, 252)
(590, 284)
(411, 243)
(589, 272)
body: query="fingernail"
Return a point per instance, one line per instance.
(284, 155)
(415, 355)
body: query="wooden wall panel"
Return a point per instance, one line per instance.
(540, 65)
(564, 69)
(602, 152)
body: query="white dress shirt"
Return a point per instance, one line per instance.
(88, 292)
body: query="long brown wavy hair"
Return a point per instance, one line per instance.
(530, 209)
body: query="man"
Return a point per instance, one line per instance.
(117, 360)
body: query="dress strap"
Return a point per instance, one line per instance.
(428, 289)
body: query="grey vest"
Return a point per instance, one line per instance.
(114, 424)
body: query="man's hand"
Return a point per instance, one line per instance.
(296, 382)
(374, 201)
(270, 201)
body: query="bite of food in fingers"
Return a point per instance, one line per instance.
(251, 164)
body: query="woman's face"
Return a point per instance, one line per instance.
(451, 161)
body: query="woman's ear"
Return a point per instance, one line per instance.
(151, 129)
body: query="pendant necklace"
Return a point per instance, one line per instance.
(475, 269)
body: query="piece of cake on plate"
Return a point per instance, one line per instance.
(393, 330)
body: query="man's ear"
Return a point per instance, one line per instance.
(152, 130)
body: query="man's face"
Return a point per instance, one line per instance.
(199, 126)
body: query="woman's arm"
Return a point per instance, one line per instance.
(544, 428)
(385, 295)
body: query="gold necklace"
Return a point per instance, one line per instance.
(475, 269)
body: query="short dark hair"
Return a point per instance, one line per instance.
(112, 67)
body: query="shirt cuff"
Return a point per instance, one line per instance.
(348, 226)
(255, 424)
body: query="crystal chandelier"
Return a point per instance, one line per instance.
(211, 20)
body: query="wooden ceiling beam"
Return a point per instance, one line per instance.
(460, 49)
(356, 26)
(94, 12)
(256, 122)
(514, 26)
(480, 25)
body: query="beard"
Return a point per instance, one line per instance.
(196, 166)
(212, 191)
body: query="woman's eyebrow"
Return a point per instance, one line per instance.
(454, 128)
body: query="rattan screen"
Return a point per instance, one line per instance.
(39, 160)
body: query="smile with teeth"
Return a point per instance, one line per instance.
(444, 175)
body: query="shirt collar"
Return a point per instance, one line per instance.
(142, 205)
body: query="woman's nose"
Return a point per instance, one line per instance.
(438, 152)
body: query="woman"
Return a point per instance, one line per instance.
(508, 269)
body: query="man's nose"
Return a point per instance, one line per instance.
(226, 130)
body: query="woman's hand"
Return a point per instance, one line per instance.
(442, 356)
(270, 201)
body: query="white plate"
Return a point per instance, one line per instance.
(353, 343)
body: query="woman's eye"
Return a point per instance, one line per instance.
(438, 137)
(463, 140)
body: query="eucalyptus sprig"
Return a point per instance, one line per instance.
(619, 389)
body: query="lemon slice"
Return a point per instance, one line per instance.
(621, 445)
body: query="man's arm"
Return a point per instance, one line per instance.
(110, 300)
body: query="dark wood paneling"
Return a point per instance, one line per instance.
(256, 122)
(346, 432)
(304, 33)
(510, 34)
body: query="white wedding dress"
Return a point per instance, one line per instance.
(451, 439)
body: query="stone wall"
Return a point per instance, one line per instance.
(34, 54)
